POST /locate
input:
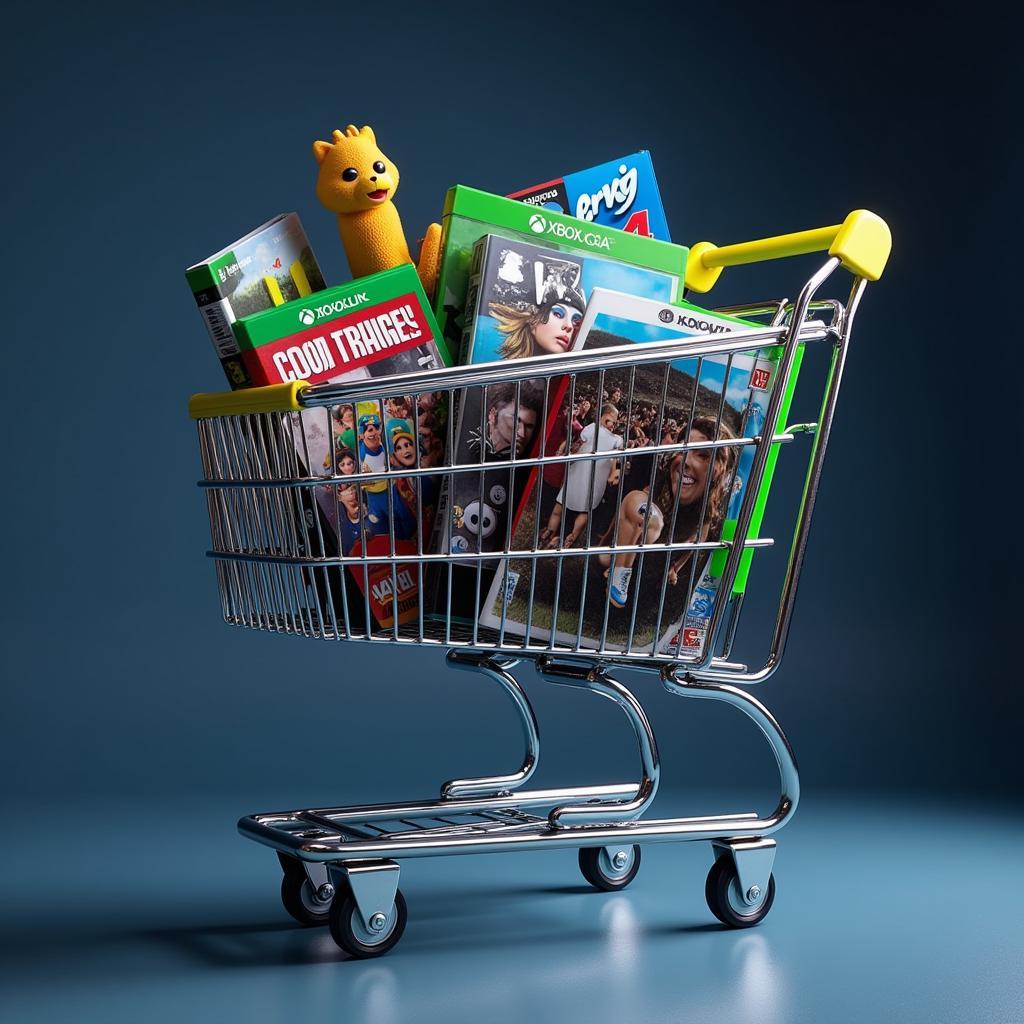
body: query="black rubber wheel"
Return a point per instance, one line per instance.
(299, 897)
(725, 898)
(349, 932)
(602, 872)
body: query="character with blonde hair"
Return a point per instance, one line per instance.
(550, 327)
(544, 315)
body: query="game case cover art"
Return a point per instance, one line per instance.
(630, 499)
(621, 194)
(470, 214)
(372, 328)
(510, 276)
(268, 267)
(526, 300)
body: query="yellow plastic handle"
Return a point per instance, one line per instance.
(862, 243)
(273, 398)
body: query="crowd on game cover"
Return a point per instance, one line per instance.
(643, 427)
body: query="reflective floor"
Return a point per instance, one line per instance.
(884, 912)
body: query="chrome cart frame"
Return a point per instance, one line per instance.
(277, 572)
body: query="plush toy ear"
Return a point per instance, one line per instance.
(351, 131)
(368, 131)
(320, 150)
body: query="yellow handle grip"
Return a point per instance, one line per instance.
(273, 398)
(862, 243)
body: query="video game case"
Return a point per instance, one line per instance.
(469, 214)
(620, 194)
(373, 327)
(612, 601)
(526, 300)
(271, 265)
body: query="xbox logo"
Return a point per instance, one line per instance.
(307, 316)
(537, 223)
(666, 316)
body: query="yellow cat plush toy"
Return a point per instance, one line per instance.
(357, 182)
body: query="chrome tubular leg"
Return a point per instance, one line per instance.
(497, 784)
(750, 706)
(602, 811)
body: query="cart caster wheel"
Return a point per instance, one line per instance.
(300, 899)
(610, 871)
(726, 899)
(303, 902)
(349, 932)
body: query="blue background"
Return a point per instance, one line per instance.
(141, 140)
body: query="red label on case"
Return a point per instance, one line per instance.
(341, 345)
(382, 584)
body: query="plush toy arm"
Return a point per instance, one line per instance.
(430, 259)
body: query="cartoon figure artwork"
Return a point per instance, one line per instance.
(392, 515)
(350, 512)
(365, 510)
(358, 183)
(412, 503)
(373, 459)
(343, 430)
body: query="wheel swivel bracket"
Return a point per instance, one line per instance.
(754, 859)
(373, 884)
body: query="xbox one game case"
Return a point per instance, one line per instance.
(524, 300)
(619, 194)
(469, 214)
(612, 602)
(271, 265)
(371, 328)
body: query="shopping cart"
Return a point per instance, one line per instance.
(279, 569)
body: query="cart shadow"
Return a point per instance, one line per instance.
(284, 943)
(258, 944)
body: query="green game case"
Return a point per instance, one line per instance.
(373, 326)
(469, 214)
(370, 328)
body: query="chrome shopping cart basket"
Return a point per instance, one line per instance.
(285, 565)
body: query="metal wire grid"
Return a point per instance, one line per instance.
(280, 565)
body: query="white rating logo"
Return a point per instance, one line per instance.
(510, 586)
(307, 316)
(537, 224)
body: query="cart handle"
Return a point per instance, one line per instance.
(272, 398)
(862, 244)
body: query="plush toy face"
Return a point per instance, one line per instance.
(354, 174)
